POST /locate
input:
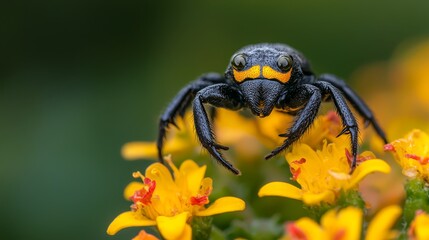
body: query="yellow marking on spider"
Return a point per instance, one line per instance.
(250, 73)
(270, 73)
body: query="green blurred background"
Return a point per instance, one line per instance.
(81, 78)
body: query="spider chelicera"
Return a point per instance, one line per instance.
(261, 78)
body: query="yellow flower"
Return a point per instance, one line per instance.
(344, 224)
(419, 227)
(412, 154)
(248, 136)
(170, 203)
(323, 174)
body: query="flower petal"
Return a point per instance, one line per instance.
(280, 189)
(138, 150)
(128, 219)
(309, 228)
(164, 181)
(346, 222)
(187, 233)
(222, 205)
(149, 150)
(382, 222)
(194, 175)
(315, 198)
(418, 228)
(172, 227)
(188, 166)
(365, 168)
(131, 188)
(313, 164)
(159, 173)
(350, 219)
(179, 145)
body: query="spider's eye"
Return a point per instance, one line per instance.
(284, 62)
(239, 62)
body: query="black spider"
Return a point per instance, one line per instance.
(262, 77)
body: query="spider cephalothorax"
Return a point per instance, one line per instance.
(261, 78)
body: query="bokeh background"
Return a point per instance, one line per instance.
(81, 78)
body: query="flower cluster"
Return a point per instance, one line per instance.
(323, 174)
(321, 197)
(170, 203)
(345, 224)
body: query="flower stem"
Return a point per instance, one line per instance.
(417, 199)
(201, 227)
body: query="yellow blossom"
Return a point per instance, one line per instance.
(248, 136)
(170, 203)
(418, 229)
(412, 154)
(323, 174)
(345, 224)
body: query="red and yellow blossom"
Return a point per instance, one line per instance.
(323, 174)
(170, 203)
(345, 224)
(412, 154)
(418, 229)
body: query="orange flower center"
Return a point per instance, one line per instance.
(296, 172)
(144, 195)
(199, 200)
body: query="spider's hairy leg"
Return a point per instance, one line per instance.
(356, 102)
(180, 103)
(349, 121)
(219, 95)
(312, 98)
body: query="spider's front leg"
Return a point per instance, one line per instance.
(349, 121)
(356, 101)
(219, 95)
(180, 103)
(311, 98)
